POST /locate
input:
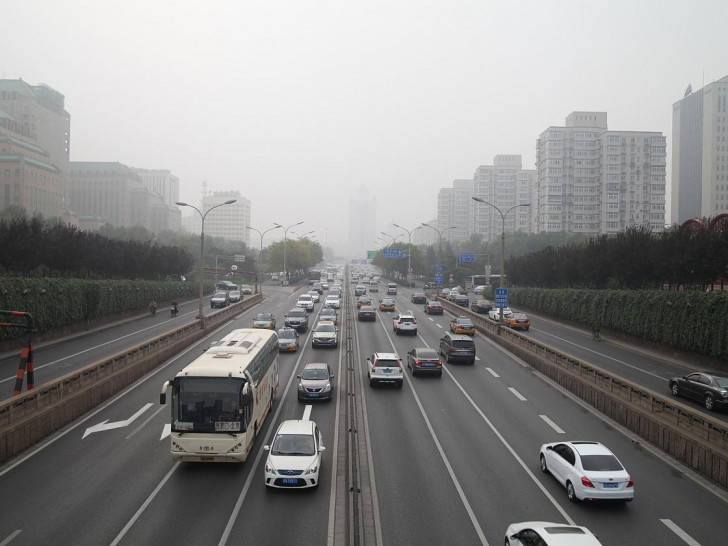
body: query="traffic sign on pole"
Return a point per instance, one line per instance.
(501, 297)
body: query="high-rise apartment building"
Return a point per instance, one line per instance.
(230, 221)
(594, 181)
(504, 184)
(163, 183)
(454, 211)
(34, 147)
(700, 153)
(362, 223)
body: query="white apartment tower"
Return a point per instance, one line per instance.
(454, 211)
(700, 153)
(229, 221)
(594, 181)
(505, 184)
(362, 223)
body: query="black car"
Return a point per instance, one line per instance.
(462, 300)
(366, 312)
(418, 297)
(424, 360)
(481, 306)
(711, 390)
(433, 307)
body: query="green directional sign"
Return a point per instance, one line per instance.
(371, 254)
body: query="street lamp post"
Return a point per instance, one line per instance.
(394, 239)
(409, 250)
(439, 237)
(202, 242)
(302, 235)
(261, 250)
(285, 244)
(503, 241)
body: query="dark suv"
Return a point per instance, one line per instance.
(457, 348)
(297, 318)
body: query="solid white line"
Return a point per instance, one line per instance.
(492, 372)
(307, 413)
(10, 537)
(680, 533)
(553, 425)
(443, 456)
(334, 452)
(517, 394)
(144, 505)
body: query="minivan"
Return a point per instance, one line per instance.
(392, 289)
(457, 348)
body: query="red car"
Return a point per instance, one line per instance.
(433, 307)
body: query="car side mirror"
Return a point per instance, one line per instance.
(322, 448)
(266, 448)
(298, 377)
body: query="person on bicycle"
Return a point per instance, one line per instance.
(153, 307)
(595, 331)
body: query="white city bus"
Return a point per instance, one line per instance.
(220, 400)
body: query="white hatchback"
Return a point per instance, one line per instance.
(588, 471)
(294, 457)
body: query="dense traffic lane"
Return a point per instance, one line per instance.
(513, 399)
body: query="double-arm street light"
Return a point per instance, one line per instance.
(303, 235)
(439, 238)
(285, 241)
(202, 241)
(260, 259)
(503, 240)
(409, 250)
(394, 239)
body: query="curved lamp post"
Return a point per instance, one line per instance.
(261, 250)
(503, 240)
(409, 250)
(285, 243)
(202, 241)
(439, 237)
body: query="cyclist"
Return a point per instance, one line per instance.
(595, 332)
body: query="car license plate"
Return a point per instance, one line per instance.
(610, 484)
(386, 370)
(429, 363)
(290, 481)
(313, 394)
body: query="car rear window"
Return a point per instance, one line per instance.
(462, 343)
(406, 319)
(428, 354)
(600, 463)
(385, 363)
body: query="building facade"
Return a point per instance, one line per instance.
(700, 153)
(34, 147)
(163, 183)
(455, 211)
(505, 184)
(230, 221)
(362, 223)
(594, 181)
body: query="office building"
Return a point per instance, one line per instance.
(454, 209)
(229, 221)
(700, 153)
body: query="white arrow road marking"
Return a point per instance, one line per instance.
(307, 413)
(118, 424)
(166, 431)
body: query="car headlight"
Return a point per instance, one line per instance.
(724, 394)
(269, 468)
(311, 470)
(300, 387)
(327, 388)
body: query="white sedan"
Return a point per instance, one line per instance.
(294, 457)
(588, 471)
(549, 534)
(332, 301)
(494, 314)
(315, 295)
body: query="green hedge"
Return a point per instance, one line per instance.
(690, 320)
(55, 303)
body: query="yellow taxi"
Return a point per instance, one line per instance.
(518, 321)
(363, 300)
(387, 304)
(462, 325)
(265, 320)
(287, 340)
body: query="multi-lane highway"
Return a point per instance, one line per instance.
(450, 460)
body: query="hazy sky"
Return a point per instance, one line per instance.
(298, 103)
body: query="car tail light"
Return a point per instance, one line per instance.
(451, 350)
(630, 483)
(374, 366)
(439, 362)
(586, 482)
(417, 361)
(399, 365)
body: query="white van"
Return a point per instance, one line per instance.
(392, 289)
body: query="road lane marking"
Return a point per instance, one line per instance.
(443, 456)
(436, 324)
(553, 425)
(166, 431)
(517, 394)
(143, 423)
(10, 537)
(105, 425)
(492, 372)
(679, 532)
(477, 357)
(307, 413)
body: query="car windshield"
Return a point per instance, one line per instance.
(600, 463)
(325, 328)
(264, 316)
(220, 294)
(297, 313)
(315, 374)
(287, 334)
(293, 444)
(305, 297)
